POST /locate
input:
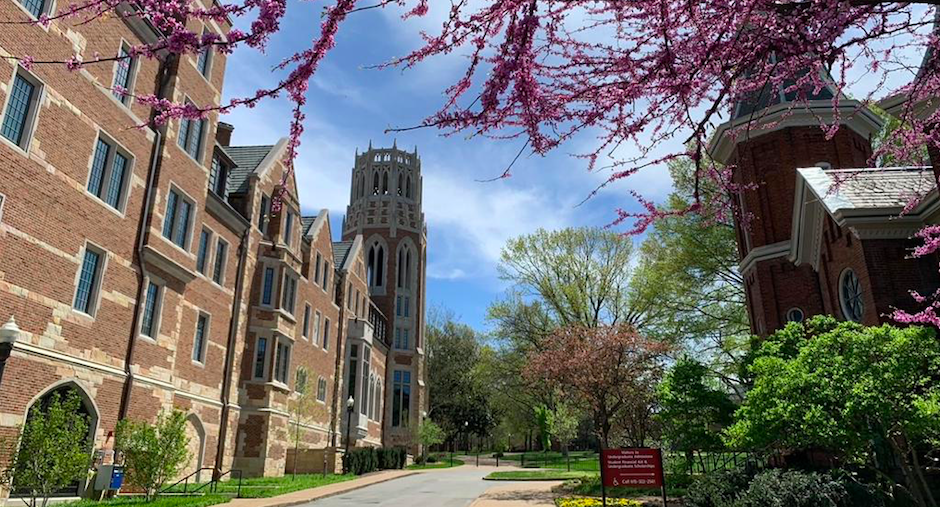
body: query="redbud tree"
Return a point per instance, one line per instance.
(640, 76)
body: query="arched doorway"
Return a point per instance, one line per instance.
(196, 448)
(86, 410)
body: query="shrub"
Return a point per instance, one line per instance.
(781, 488)
(432, 459)
(718, 489)
(363, 460)
(153, 453)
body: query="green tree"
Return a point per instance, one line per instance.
(459, 397)
(303, 408)
(566, 421)
(692, 411)
(574, 276)
(867, 394)
(688, 265)
(153, 453)
(53, 448)
(429, 434)
(545, 419)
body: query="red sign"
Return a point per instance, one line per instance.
(632, 468)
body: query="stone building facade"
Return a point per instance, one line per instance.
(150, 269)
(820, 232)
(385, 209)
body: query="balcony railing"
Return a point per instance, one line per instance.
(379, 324)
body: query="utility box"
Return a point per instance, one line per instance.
(110, 478)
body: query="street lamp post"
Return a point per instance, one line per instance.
(9, 333)
(424, 448)
(349, 410)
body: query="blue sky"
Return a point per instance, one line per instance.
(349, 105)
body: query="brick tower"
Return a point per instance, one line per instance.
(385, 208)
(782, 137)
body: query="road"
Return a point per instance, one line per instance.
(457, 487)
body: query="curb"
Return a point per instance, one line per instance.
(292, 503)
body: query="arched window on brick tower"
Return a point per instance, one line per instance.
(408, 188)
(375, 183)
(375, 272)
(404, 268)
(399, 184)
(385, 183)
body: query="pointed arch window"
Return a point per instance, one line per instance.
(375, 272)
(399, 184)
(404, 268)
(385, 183)
(408, 188)
(375, 183)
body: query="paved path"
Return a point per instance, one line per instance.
(307, 495)
(456, 487)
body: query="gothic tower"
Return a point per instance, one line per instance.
(767, 140)
(385, 207)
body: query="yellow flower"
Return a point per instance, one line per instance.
(596, 502)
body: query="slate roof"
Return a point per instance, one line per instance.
(306, 223)
(247, 159)
(875, 188)
(340, 252)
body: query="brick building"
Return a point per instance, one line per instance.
(818, 231)
(146, 269)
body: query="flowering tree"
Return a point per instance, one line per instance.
(646, 73)
(611, 369)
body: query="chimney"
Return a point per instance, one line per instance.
(223, 135)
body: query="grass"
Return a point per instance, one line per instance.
(432, 466)
(551, 456)
(163, 501)
(535, 475)
(266, 487)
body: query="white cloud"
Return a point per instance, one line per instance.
(439, 272)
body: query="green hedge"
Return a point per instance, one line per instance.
(780, 488)
(364, 460)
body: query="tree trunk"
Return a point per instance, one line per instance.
(914, 486)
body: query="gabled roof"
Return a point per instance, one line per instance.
(341, 250)
(877, 190)
(247, 159)
(311, 226)
(882, 202)
(306, 223)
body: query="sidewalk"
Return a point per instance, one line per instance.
(519, 494)
(308, 495)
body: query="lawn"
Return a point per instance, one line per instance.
(536, 475)
(265, 487)
(439, 464)
(164, 501)
(580, 460)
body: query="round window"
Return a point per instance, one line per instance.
(795, 315)
(850, 295)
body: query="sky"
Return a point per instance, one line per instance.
(350, 105)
